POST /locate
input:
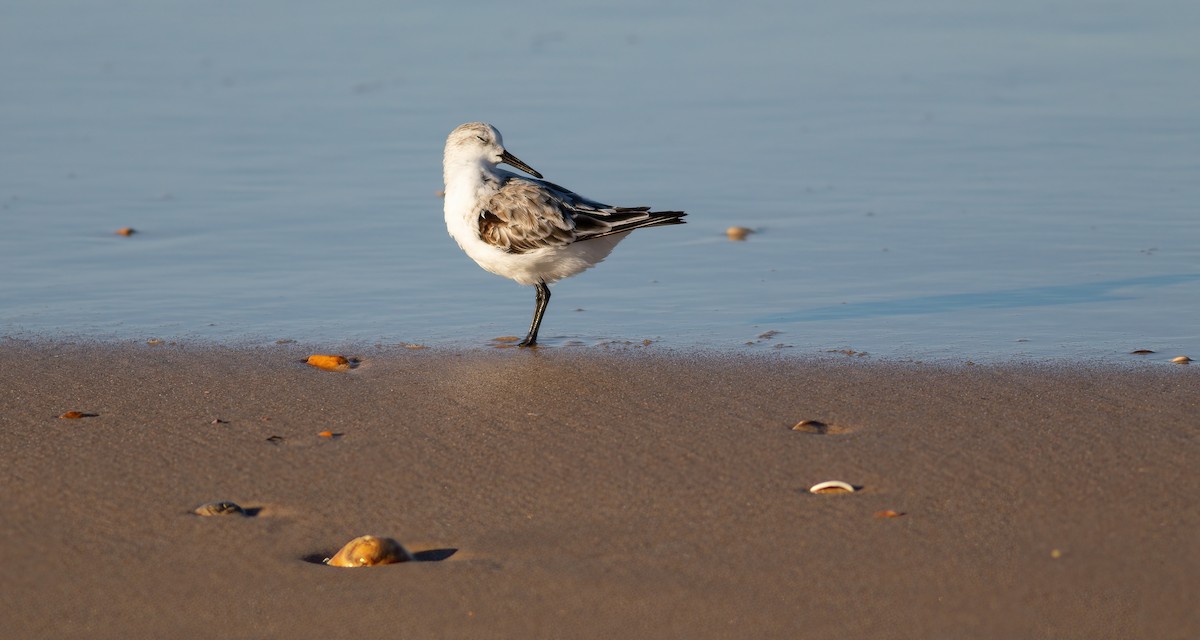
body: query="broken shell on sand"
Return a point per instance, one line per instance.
(369, 551)
(811, 426)
(832, 486)
(1181, 360)
(329, 363)
(75, 415)
(222, 508)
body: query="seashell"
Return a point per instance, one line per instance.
(832, 486)
(1181, 360)
(888, 513)
(328, 363)
(75, 415)
(738, 233)
(811, 426)
(222, 508)
(125, 231)
(1141, 352)
(369, 551)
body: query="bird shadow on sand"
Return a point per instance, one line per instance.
(1043, 296)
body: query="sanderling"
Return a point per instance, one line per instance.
(532, 231)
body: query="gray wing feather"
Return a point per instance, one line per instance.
(527, 214)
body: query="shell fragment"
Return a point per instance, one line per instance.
(222, 508)
(832, 486)
(811, 426)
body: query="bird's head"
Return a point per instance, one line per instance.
(481, 142)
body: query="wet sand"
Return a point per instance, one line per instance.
(593, 493)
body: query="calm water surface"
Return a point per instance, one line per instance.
(928, 180)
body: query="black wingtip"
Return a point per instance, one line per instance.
(667, 217)
(653, 219)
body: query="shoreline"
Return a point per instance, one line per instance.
(586, 494)
(759, 349)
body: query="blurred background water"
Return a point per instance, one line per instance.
(933, 180)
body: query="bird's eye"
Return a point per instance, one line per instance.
(481, 138)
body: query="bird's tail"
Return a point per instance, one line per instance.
(629, 218)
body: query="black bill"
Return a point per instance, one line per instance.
(514, 161)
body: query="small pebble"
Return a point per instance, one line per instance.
(329, 363)
(738, 233)
(888, 513)
(125, 231)
(1141, 352)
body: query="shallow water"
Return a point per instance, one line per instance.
(938, 181)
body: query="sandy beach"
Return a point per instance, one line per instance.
(592, 493)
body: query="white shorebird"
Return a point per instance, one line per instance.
(532, 231)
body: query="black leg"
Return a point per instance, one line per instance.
(539, 309)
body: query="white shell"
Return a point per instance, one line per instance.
(1181, 360)
(831, 484)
